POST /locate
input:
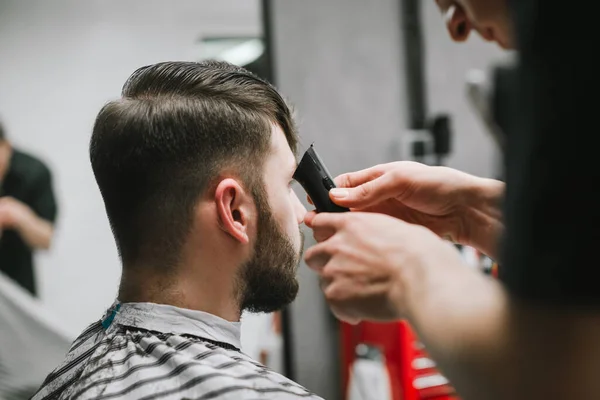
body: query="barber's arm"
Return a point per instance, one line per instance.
(374, 267)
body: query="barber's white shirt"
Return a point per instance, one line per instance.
(150, 351)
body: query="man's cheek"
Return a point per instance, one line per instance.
(298, 237)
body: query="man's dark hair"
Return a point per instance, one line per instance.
(2, 135)
(177, 128)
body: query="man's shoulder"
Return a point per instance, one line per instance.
(60, 380)
(130, 363)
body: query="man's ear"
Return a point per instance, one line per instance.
(234, 209)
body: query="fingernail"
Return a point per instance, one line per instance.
(339, 193)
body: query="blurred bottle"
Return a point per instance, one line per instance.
(369, 376)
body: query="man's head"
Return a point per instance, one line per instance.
(197, 145)
(490, 18)
(5, 154)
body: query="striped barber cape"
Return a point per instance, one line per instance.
(150, 351)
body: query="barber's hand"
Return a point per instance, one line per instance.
(14, 214)
(364, 260)
(446, 201)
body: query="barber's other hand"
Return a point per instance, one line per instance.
(364, 260)
(451, 203)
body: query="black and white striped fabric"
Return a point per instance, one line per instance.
(148, 351)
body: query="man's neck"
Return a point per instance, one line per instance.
(213, 296)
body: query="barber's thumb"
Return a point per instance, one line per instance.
(352, 197)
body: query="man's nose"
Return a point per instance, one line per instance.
(459, 26)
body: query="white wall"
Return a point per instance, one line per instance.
(61, 60)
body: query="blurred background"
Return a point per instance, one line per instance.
(343, 65)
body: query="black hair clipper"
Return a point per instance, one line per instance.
(316, 181)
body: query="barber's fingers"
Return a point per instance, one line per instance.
(318, 256)
(320, 234)
(342, 311)
(318, 261)
(366, 194)
(343, 315)
(323, 234)
(309, 217)
(353, 179)
(334, 221)
(331, 281)
(324, 282)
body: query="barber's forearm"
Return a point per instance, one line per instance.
(36, 232)
(460, 316)
(483, 216)
(492, 347)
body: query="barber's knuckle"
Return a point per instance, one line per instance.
(310, 261)
(396, 173)
(342, 222)
(344, 180)
(333, 294)
(339, 314)
(324, 281)
(365, 189)
(312, 258)
(334, 247)
(308, 253)
(315, 222)
(337, 246)
(334, 269)
(319, 237)
(349, 225)
(356, 223)
(327, 271)
(316, 232)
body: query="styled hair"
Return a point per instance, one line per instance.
(177, 128)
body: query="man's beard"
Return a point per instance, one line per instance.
(267, 282)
